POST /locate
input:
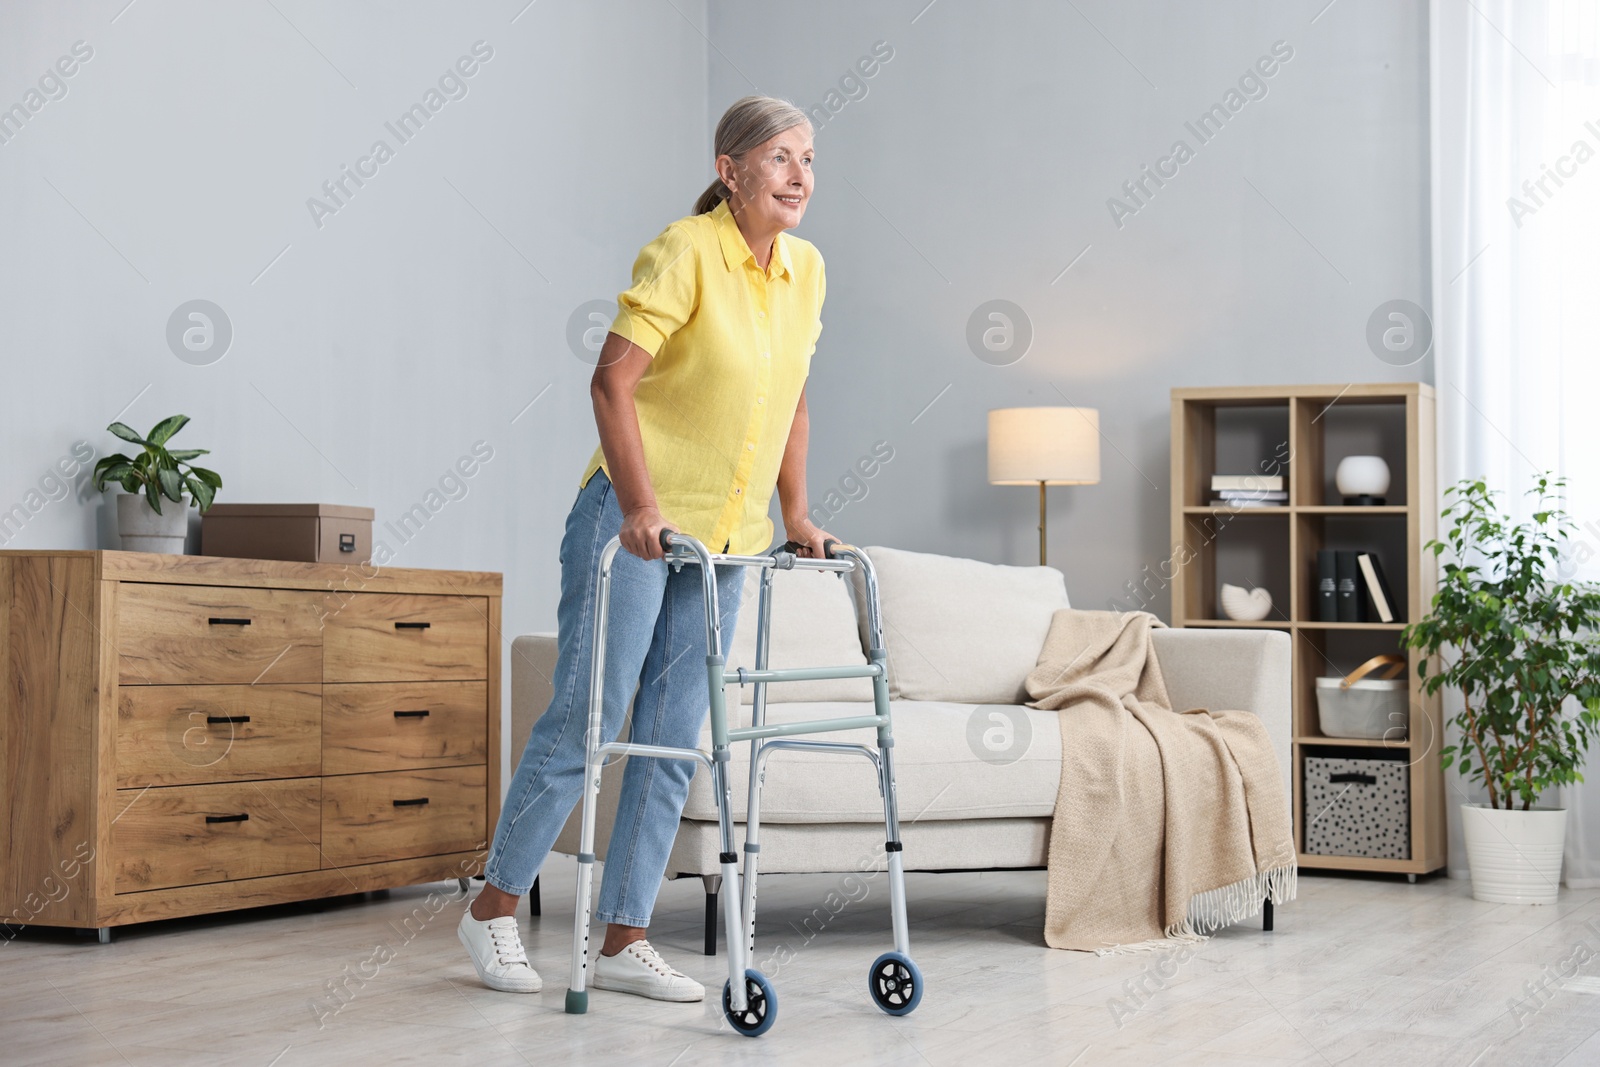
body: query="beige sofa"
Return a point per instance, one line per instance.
(976, 771)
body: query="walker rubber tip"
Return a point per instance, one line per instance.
(577, 1002)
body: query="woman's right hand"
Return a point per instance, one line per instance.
(641, 532)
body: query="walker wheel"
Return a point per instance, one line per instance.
(761, 1005)
(895, 983)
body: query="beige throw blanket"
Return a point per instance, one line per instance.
(1167, 825)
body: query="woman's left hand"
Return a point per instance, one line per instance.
(809, 537)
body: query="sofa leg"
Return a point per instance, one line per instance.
(534, 907)
(713, 884)
(1266, 916)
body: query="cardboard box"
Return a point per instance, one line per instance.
(306, 533)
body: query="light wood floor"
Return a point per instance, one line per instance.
(1359, 971)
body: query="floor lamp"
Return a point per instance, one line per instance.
(1044, 446)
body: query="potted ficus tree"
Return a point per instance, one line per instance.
(1518, 641)
(156, 474)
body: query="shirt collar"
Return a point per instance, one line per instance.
(736, 250)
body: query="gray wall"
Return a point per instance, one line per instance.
(419, 319)
(977, 166)
(428, 311)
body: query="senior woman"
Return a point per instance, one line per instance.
(699, 397)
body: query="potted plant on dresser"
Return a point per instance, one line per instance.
(156, 473)
(1521, 649)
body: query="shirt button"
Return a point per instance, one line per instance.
(749, 448)
(736, 492)
(761, 314)
(761, 400)
(766, 355)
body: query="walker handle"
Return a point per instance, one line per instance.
(794, 547)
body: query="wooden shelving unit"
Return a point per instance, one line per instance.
(1300, 432)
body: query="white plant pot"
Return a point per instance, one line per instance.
(143, 530)
(1514, 856)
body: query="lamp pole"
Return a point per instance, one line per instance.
(1041, 524)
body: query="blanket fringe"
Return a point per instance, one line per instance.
(1175, 936)
(1216, 908)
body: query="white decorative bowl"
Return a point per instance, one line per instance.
(1362, 476)
(1245, 605)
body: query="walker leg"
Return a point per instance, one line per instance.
(752, 849)
(730, 876)
(758, 715)
(897, 877)
(751, 856)
(713, 884)
(891, 816)
(577, 992)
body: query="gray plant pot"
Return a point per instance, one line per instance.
(143, 530)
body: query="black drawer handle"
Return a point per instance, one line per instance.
(228, 622)
(347, 542)
(241, 817)
(412, 625)
(215, 720)
(1363, 779)
(412, 803)
(420, 714)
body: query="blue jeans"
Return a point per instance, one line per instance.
(655, 640)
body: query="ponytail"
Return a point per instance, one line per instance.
(715, 194)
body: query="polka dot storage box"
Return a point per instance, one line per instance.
(1357, 807)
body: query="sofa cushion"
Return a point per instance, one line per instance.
(960, 629)
(813, 625)
(952, 761)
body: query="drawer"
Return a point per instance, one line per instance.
(194, 834)
(188, 734)
(390, 637)
(367, 818)
(391, 726)
(195, 634)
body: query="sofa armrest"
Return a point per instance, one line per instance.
(1243, 670)
(533, 666)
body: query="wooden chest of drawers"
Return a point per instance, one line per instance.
(183, 734)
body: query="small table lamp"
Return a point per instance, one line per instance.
(1044, 446)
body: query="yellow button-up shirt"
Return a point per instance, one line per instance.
(731, 346)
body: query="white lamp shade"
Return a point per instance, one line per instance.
(1057, 446)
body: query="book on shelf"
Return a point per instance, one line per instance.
(1268, 494)
(1247, 482)
(1244, 502)
(1347, 572)
(1378, 590)
(1276, 495)
(1327, 586)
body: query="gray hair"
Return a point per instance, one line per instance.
(750, 121)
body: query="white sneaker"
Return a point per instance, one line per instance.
(639, 969)
(496, 950)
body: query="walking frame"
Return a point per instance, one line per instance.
(748, 1000)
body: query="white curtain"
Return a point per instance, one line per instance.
(1516, 285)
